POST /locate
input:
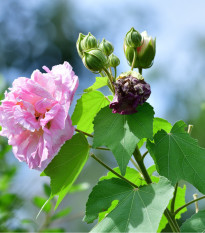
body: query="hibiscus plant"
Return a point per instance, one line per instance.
(34, 117)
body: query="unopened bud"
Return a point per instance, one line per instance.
(114, 61)
(133, 38)
(89, 42)
(78, 44)
(144, 54)
(94, 60)
(106, 47)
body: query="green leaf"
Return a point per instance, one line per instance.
(86, 109)
(100, 82)
(61, 214)
(53, 230)
(179, 201)
(39, 202)
(159, 124)
(194, 224)
(79, 187)
(121, 133)
(133, 175)
(67, 165)
(47, 190)
(178, 156)
(138, 210)
(102, 215)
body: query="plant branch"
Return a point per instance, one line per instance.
(174, 198)
(110, 83)
(138, 157)
(136, 165)
(100, 148)
(140, 70)
(115, 69)
(172, 222)
(189, 203)
(143, 156)
(139, 160)
(114, 172)
(87, 134)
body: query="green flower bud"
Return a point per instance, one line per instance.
(144, 54)
(89, 42)
(133, 38)
(78, 44)
(129, 53)
(94, 60)
(114, 61)
(106, 47)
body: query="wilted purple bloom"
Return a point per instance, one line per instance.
(129, 93)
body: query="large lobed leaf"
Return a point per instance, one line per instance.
(138, 210)
(136, 178)
(66, 166)
(121, 133)
(86, 109)
(178, 156)
(194, 224)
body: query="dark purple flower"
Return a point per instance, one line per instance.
(130, 91)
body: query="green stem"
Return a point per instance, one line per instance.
(140, 70)
(111, 86)
(135, 164)
(114, 172)
(102, 75)
(174, 198)
(138, 157)
(99, 148)
(189, 203)
(143, 156)
(111, 72)
(139, 160)
(115, 69)
(172, 222)
(87, 134)
(134, 58)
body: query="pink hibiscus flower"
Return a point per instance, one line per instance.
(34, 114)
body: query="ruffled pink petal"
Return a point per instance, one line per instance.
(43, 105)
(25, 119)
(34, 114)
(44, 80)
(66, 82)
(55, 139)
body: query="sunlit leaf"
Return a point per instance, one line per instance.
(178, 156)
(100, 82)
(67, 165)
(39, 202)
(86, 109)
(138, 210)
(121, 133)
(61, 214)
